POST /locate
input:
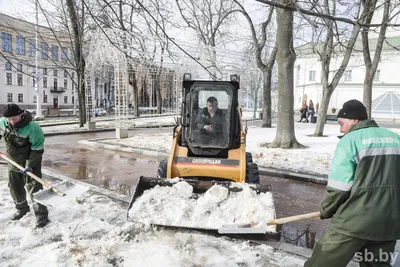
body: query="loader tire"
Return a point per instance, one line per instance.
(162, 169)
(252, 175)
(249, 157)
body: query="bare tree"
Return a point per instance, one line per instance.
(285, 136)
(260, 47)
(206, 18)
(372, 65)
(76, 24)
(326, 54)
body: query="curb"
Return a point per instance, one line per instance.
(106, 130)
(305, 177)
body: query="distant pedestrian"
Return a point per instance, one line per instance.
(317, 107)
(25, 145)
(303, 112)
(311, 110)
(362, 194)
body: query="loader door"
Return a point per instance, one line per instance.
(210, 116)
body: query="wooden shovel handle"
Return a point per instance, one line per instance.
(294, 218)
(40, 180)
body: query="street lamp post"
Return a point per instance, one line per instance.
(38, 104)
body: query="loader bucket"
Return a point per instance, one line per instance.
(199, 187)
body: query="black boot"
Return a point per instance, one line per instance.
(41, 222)
(20, 213)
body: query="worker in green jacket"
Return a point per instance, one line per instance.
(362, 194)
(25, 145)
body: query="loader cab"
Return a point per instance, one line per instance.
(210, 117)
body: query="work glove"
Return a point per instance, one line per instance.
(27, 169)
(324, 214)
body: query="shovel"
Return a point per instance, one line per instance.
(55, 195)
(261, 227)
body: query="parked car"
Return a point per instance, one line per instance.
(99, 112)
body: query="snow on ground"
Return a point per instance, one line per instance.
(93, 231)
(178, 206)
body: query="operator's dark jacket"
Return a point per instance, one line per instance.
(363, 191)
(217, 122)
(24, 142)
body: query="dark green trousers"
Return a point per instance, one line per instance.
(337, 250)
(17, 183)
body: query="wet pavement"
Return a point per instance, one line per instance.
(118, 171)
(294, 197)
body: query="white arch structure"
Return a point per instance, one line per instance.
(105, 58)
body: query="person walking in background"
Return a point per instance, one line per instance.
(25, 145)
(362, 194)
(311, 110)
(317, 107)
(303, 112)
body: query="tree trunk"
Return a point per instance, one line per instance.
(79, 60)
(285, 137)
(367, 94)
(266, 110)
(323, 108)
(82, 96)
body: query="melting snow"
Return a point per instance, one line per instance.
(179, 206)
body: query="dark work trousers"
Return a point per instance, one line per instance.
(337, 250)
(17, 183)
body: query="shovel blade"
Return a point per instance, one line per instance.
(70, 190)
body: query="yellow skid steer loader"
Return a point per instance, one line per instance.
(209, 142)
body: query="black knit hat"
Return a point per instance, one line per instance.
(353, 109)
(11, 110)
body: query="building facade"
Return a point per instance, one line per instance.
(308, 85)
(56, 81)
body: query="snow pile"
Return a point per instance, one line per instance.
(179, 206)
(93, 231)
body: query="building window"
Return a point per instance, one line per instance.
(73, 75)
(54, 53)
(64, 54)
(19, 79)
(72, 58)
(19, 66)
(9, 78)
(55, 73)
(377, 76)
(65, 99)
(44, 71)
(6, 42)
(20, 45)
(8, 66)
(9, 97)
(45, 51)
(311, 76)
(65, 84)
(347, 76)
(65, 74)
(55, 83)
(44, 82)
(32, 48)
(44, 98)
(20, 98)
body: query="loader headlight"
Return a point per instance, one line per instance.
(234, 78)
(187, 77)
